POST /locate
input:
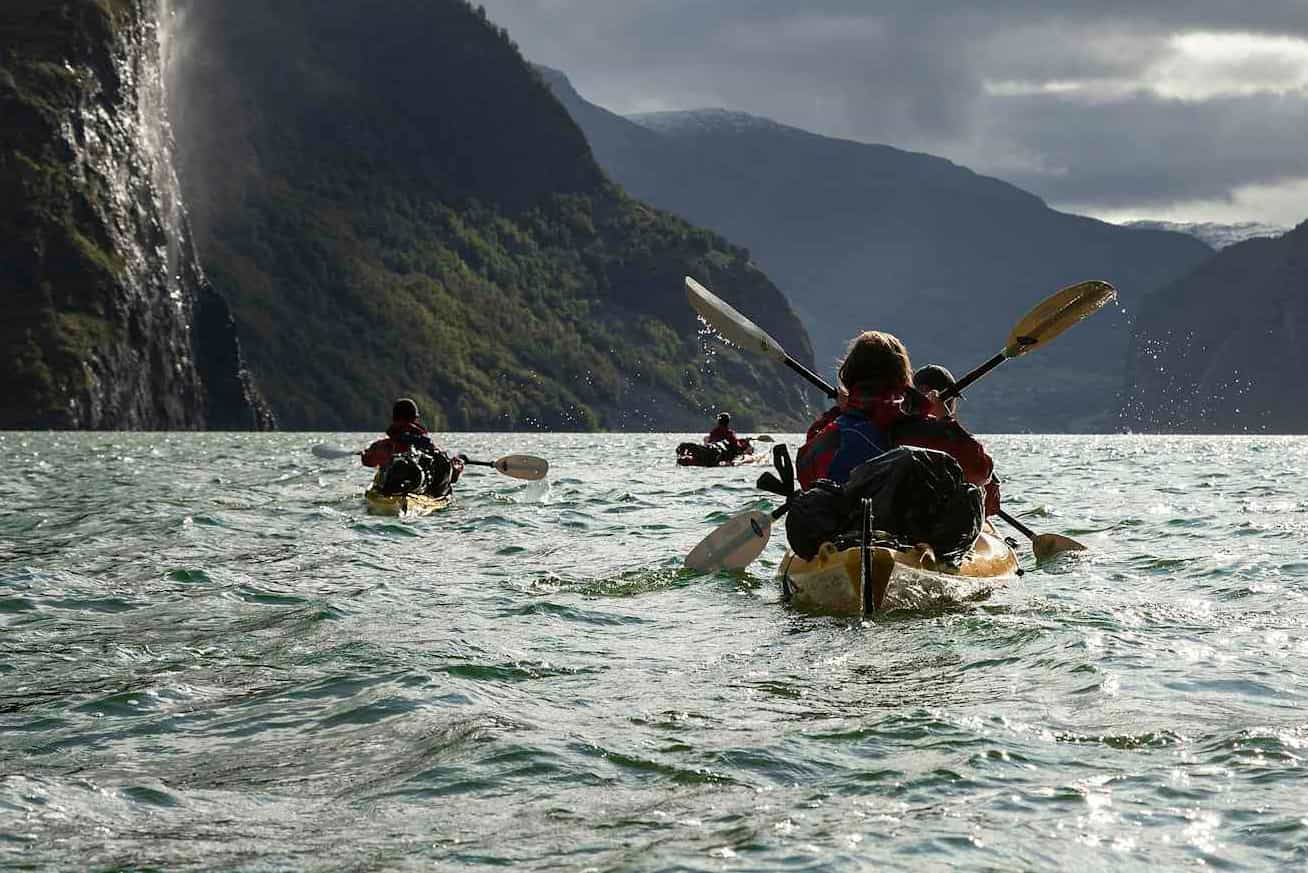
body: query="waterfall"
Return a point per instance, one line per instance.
(156, 138)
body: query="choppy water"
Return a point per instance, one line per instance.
(210, 658)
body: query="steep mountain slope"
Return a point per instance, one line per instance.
(109, 321)
(395, 204)
(865, 235)
(1225, 349)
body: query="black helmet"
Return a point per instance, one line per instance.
(404, 410)
(933, 376)
(724, 418)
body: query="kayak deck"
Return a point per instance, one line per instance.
(404, 505)
(832, 583)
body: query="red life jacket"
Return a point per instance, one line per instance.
(401, 436)
(864, 427)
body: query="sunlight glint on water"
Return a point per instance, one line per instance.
(210, 658)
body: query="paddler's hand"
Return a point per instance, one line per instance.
(842, 396)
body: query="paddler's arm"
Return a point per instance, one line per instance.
(377, 454)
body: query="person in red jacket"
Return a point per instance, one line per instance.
(938, 428)
(406, 434)
(724, 434)
(870, 418)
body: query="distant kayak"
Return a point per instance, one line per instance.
(404, 505)
(712, 455)
(833, 582)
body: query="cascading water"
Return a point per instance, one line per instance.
(118, 325)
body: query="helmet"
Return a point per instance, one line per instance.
(933, 376)
(724, 418)
(404, 410)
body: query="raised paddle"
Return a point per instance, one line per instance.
(735, 544)
(1046, 545)
(526, 467)
(1046, 321)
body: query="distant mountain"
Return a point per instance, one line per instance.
(1217, 235)
(395, 204)
(863, 236)
(1225, 349)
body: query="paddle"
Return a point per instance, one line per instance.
(742, 332)
(734, 545)
(525, 467)
(1046, 545)
(1046, 321)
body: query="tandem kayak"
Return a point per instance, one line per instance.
(404, 505)
(833, 582)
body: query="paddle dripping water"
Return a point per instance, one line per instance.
(211, 658)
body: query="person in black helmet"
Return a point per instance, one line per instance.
(406, 436)
(934, 377)
(936, 426)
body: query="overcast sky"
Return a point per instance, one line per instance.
(1189, 110)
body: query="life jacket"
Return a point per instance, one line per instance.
(846, 435)
(724, 434)
(401, 436)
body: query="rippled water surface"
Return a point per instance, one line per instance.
(211, 658)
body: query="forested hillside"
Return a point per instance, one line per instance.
(396, 204)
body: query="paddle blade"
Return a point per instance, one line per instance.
(332, 452)
(738, 329)
(523, 467)
(734, 545)
(1049, 545)
(1057, 314)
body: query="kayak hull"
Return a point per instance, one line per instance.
(833, 582)
(404, 505)
(738, 461)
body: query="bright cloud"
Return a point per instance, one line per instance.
(1190, 66)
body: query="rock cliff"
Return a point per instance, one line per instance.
(109, 321)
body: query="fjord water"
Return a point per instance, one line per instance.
(211, 658)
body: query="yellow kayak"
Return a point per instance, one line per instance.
(404, 505)
(833, 583)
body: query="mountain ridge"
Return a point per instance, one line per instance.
(862, 235)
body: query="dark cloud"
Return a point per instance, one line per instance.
(1088, 103)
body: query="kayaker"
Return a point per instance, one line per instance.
(874, 378)
(723, 434)
(870, 418)
(406, 434)
(941, 430)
